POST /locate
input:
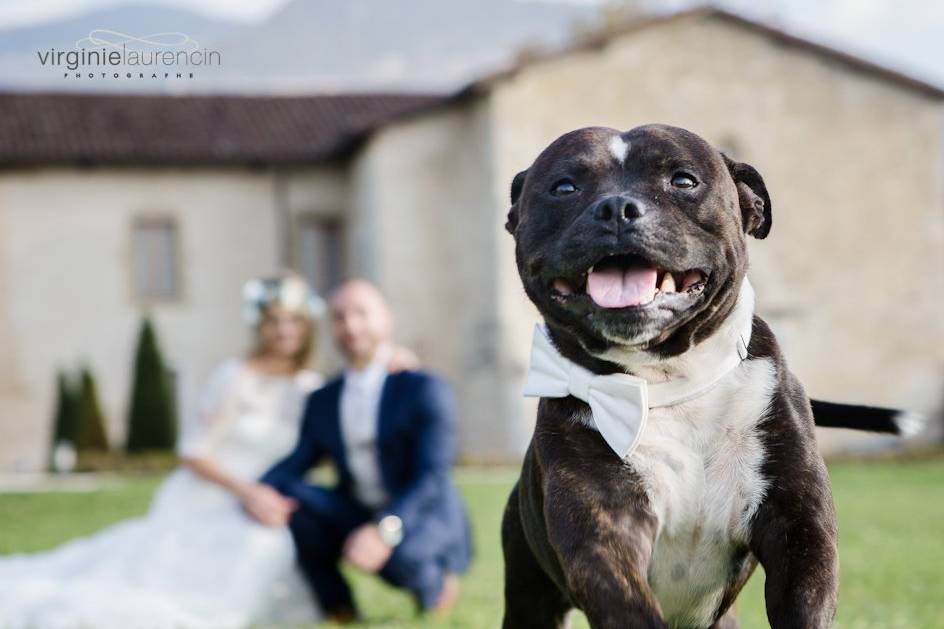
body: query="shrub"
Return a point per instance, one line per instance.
(152, 422)
(65, 419)
(90, 423)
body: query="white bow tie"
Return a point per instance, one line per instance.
(619, 402)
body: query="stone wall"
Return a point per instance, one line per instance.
(424, 205)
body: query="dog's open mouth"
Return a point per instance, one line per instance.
(628, 281)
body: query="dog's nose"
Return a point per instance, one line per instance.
(617, 209)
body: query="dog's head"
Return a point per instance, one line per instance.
(635, 240)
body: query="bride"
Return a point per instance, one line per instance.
(196, 559)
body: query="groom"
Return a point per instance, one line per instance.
(391, 437)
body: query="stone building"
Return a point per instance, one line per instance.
(111, 206)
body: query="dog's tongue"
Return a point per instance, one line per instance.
(616, 287)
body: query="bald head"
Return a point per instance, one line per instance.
(361, 320)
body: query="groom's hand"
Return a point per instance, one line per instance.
(266, 505)
(365, 549)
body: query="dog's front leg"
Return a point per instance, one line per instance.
(798, 553)
(603, 536)
(794, 532)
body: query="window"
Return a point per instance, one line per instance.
(318, 251)
(156, 272)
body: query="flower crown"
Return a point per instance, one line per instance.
(289, 291)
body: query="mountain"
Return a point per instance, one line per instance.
(411, 44)
(138, 19)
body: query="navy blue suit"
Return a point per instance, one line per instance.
(416, 437)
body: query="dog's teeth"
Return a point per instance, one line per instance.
(563, 287)
(691, 278)
(668, 283)
(590, 270)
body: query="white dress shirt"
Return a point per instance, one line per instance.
(360, 411)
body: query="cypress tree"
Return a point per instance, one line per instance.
(152, 424)
(66, 415)
(90, 423)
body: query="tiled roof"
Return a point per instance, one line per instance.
(50, 128)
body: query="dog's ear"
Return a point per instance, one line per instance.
(756, 212)
(516, 185)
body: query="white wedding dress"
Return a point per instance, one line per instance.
(196, 560)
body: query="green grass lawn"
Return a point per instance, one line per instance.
(891, 518)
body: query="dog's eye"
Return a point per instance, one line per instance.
(563, 187)
(684, 181)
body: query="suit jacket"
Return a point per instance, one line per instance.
(416, 442)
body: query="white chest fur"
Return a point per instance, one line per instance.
(700, 463)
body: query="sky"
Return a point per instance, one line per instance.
(20, 12)
(907, 35)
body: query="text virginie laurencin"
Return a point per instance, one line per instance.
(111, 49)
(74, 59)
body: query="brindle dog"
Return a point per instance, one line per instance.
(633, 247)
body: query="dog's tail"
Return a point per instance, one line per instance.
(870, 418)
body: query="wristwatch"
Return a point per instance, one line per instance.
(390, 528)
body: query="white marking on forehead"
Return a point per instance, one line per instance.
(619, 148)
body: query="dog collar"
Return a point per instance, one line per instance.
(619, 403)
